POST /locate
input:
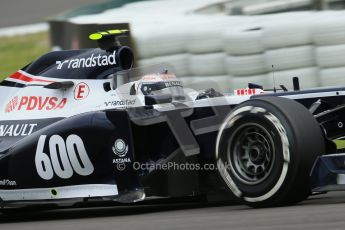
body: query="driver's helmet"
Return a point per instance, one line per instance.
(162, 84)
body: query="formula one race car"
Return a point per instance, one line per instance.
(84, 125)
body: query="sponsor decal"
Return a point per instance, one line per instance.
(120, 103)
(19, 130)
(65, 157)
(92, 61)
(120, 149)
(243, 92)
(121, 160)
(35, 103)
(159, 77)
(81, 91)
(173, 83)
(11, 105)
(7, 182)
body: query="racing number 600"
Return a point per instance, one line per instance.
(67, 152)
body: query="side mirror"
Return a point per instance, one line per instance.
(60, 85)
(120, 78)
(158, 99)
(133, 90)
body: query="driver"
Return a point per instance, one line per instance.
(162, 84)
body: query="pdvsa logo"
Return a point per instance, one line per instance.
(11, 105)
(35, 103)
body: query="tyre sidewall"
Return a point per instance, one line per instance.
(283, 171)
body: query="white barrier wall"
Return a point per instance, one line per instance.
(227, 52)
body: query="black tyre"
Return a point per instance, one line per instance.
(265, 151)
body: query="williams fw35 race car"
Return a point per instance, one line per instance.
(84, 125)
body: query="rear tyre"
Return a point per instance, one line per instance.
(265, 151)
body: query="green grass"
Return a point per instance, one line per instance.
(16, 52)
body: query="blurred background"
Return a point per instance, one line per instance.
(223, 44)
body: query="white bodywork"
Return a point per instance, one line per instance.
(36, 102)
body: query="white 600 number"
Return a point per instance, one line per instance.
(63, 159)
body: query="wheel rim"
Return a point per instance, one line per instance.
(251, 153)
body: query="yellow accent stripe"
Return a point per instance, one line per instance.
(99, 35)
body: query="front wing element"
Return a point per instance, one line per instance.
(328, 173)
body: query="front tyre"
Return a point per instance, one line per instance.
(265, 151)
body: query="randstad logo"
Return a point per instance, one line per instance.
(99, 60)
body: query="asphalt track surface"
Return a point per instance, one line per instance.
(23, 12)
(319, 212)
